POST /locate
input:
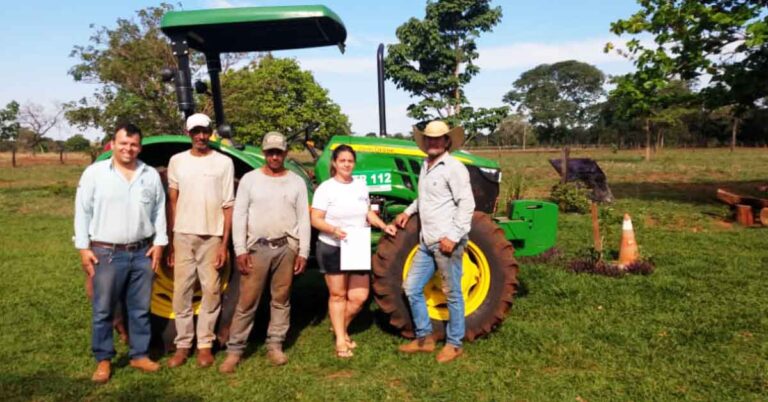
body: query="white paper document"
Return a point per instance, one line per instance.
(356, 249)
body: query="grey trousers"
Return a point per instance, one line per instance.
(275, 266)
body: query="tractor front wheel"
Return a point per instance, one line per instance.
(489, 279)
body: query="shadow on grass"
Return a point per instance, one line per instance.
(50, 386)
(690, 193)
(309, 307)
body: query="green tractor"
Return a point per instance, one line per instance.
(389, 166)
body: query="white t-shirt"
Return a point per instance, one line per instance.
(206, 186)
(345, 205)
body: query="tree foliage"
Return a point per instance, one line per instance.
(38, 122)
(558, 97)
(434, 57)
(77, 143)
(725, 40)
(125, 62)
(275, 94)
(9, 123)
(514, 130)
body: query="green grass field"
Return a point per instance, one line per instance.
(696, 329)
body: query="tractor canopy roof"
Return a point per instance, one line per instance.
(255, 29)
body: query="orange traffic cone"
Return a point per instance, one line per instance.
(628, 251)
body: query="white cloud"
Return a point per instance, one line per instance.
(338, 64)
(367, 42)
(526, 55)
(226, 4)
(497, 58)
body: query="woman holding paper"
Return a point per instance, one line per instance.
(342, 204)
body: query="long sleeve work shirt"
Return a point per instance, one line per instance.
(111, 209)
(271, 208)
(445, 203)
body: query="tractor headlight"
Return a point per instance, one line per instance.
(493, 175)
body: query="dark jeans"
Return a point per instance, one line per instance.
(125, 275)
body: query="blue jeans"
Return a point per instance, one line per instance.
(127, 276)
(422, 270)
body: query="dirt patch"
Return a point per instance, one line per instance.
(723, 225)
(70, 158)
(340, 374)
(650, 221)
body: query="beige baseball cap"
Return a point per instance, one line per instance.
(274, 140)
(198, 120)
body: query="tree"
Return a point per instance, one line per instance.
(39, 122)
(724, 39)
(482, 121)
(77, 143)
(513, 130)
(635, 97)
(675, 106)
(275, 94)
(559, 97)
(126, 62)
(434, 56)
(9, 127)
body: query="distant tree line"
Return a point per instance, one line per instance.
(702, 81)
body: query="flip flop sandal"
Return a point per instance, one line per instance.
(344, 353)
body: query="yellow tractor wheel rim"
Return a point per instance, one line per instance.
(475, 283)
(162, 291)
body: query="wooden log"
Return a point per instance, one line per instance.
(728, 197)
(734, 199)
(564, 166)
(764, 216)
(596, 229)
(744, 215)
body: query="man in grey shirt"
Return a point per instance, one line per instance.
(445, 205)
(271, 235)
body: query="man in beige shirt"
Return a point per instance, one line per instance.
(201, 197)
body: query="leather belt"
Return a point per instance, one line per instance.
(272, 243)
(122, 247)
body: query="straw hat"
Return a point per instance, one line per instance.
(438, 128)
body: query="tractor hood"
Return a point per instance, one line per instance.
(391, 167)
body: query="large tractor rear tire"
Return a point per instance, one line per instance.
(489, 280)
(162, 317)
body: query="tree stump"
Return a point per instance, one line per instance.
(744, 215)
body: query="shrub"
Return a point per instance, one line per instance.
(570, 197)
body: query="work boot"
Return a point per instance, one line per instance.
(449, 353)
(178, 358)
(275, 354)
(229, 364)
(102, 373)
(204, 357)
(144, 364)
(425, 344)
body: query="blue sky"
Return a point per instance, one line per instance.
(38, 36)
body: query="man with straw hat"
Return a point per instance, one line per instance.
(445, 205)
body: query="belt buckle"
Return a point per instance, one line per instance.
(135, 245)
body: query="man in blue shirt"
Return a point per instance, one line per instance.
(120, 232)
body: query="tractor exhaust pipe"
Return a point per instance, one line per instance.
(382, 105)
(183, 77)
